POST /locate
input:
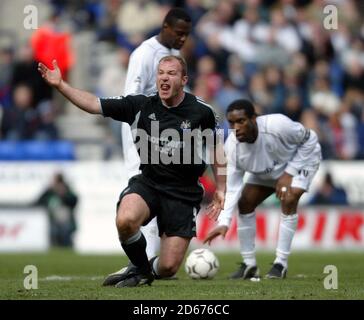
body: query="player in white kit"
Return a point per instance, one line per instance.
(281, 156)
(141, 79)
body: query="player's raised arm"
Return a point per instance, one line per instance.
(82, 99)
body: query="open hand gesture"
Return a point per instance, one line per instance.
(217, 204)
(52, 77)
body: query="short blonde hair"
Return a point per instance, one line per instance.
(181, 61)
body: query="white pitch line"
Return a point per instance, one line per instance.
(70, 278)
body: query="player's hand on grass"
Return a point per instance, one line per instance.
(52, 77)
(283, 186)
(217, 204)
(218, 231)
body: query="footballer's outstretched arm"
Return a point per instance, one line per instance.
(82, 99)
(234, 187)
(219, 169)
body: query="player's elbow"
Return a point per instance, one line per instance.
(96, 107)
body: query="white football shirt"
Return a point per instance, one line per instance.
(282, 146)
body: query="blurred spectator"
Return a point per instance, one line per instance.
(6, 67)
(110, 82)
(226, 95)
(21, 121)
(354, 75)
(236, 72)
(343, 130)
(213, 23)
(25, 71)
(323, 100)
(293, 107)
(293, 82)
(245, 36)
(282, 32)
(24, 121)
(113, 73)
(207, 74)
(49, 43)
(275, 88)
(60, 202)
(195, 10)
(259, 92)
(329, 194)
(137, 17)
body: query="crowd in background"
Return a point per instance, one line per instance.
(277, 53)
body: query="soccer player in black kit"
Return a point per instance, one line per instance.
(168, 186)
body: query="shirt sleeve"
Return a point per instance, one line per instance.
(294, 133)
(138, 74)
(212, 120)
(211, 127)
(234, 184)
(121, 108)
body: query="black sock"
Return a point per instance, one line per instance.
(134, 248)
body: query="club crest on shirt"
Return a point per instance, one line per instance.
(186, 124)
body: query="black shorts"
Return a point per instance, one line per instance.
(175, 217)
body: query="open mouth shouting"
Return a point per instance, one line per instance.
(165, 89)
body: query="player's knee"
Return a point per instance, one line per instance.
(290, 203)
(245, 205)
(126, 224)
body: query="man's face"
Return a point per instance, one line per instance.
(170, 81)
(174, 36)
(245, 128)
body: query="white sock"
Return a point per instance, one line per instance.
(150, 232)
(246, 233)
(155, 266)
(287, 229)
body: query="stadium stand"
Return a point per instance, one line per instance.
(277, 53)
(37, 151)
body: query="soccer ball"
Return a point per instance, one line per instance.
(201, 264)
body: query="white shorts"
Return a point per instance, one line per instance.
(302, 180)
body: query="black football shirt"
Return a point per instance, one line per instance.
(172, 142)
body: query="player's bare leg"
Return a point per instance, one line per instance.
(173, 250)
(132, 212)
(150, 232)
(252, 195)
(287, 229)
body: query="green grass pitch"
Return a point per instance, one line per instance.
(63, 274)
